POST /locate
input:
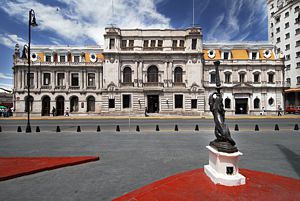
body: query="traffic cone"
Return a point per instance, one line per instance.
(236, 127)
(98, 129)
(78, 129)
(37, 129)
(296, 127)
(176, 127)
(157, 128)
(197, 127)
(118, 128)
(19, 129)
(138, 128)
(276, 127)
(256, 128)
(0, 129)
(57, 129)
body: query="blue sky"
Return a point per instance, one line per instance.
(82, 22)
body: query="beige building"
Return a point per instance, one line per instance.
(165, 71)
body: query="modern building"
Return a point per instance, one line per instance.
(166, 71)
(284, 33)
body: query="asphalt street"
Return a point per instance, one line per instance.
(130, 160)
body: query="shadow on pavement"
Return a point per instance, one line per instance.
(292, 157)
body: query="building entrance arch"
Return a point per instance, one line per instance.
(46, 106)
(60, 105)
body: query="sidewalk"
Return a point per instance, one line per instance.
(149, 117)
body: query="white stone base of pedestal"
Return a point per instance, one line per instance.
(223, 168)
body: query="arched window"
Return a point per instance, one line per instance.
(152, 74)
(256, 77)
(127, 73)
(227, 77)
(178, 75)
(256, 103)
(74, 104)
(213, 77)
(227, 103)
(242, 76)
(90, 104)
(28, 103)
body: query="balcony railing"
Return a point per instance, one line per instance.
(179, 84)
(46, 87)
(60, 87)
(74, 87)
(153, 84)
(127, 84)
(152, 48)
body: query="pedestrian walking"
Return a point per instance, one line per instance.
(67, 112)
(279, 110)
(53, 111)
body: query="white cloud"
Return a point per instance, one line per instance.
(81, 20)
(10, 40)
(6, 86)
(6, 76)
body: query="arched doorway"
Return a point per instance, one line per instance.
(74, 104)
(60, 105)
(152, 74)
(90, 104)
(28, 103)
(46, 106)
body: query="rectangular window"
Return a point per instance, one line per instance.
(126, 101)
(181, 43)
(152, 44)
(297, 43)
(213, 78)
(297, 31)
(46, 79)
(178, 101)
(146, 43)
(287, 47)
(76, 59)
(298, 80)
(111, 103)
(74, 79)
(242, 77)
(288, 67)
(48, 58)
(194, 44)
(194, 103)
(278, 50)
(31, 80)
(272, 35)
(271, 78)
(288, 80)
(60, 79)
(256, 77)
(111, 43)
(226, 55)
(297, 9)
(174, 43)
(227, 77)
(159, 43)
(287, 35)
(286, 25)
(272, 25)
(91, 79)
(277, 29)
(286, 14)
(62, 58)
(131, 43)
(298, 65)
(277, 19)
(123, 43)
(254, 55)
(297, 54)
(287, 57)
(278, 40)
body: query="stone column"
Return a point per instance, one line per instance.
(53, 79)
(67, 79)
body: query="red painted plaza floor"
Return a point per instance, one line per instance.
(195, 185)
(12, 167)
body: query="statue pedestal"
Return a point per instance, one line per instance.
(223, 168)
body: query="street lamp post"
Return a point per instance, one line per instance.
(32, 22)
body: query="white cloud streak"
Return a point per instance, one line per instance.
(10, 40)
(81, 20)
(6, 76)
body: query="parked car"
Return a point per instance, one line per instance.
(293, 110)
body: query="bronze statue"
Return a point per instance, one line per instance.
(224, 142)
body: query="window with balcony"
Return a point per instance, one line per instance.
(46, 78)
(178, 75)
(174, 43)
(178, 101)
(62, 58)
(111, 103)
(48, 58)
(287, 47)
(131, 43)
(194, 103)
(75, 79)
(194, 44)
(77, 58)
(152, 43)
(181, 43)
(256, 103)
(31, 80)
(212, 78)
(111, 43)
(127, 74)
(242, 77)
(256, 77)
(152, 74)
(286, 25)
(146, 43)
(123, 43)
(227, 103)
(126, 100)
(287, 35)
(227, 77)
(271, 77)
(60, 79)
(159, 43)
(91, 79)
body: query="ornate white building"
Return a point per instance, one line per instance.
(166, 71)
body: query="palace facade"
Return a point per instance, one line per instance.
(166, 71)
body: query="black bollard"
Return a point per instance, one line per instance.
(256, 128)
(37, 129)
(236, 127)
(78, 129)
(296, 127)
(118, 128)
(0, 129)
(137, 128)
(157, 128)
(19, 129)
(276, 127)
(176, 127)
(98, 129)
(57, 129)
(197, 127)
